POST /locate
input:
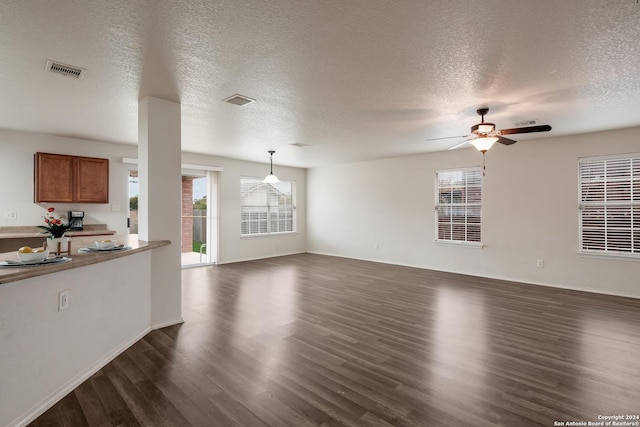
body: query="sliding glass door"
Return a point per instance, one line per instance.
(132, 218)
(199, 214)
(199, 210)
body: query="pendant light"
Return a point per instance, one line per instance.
(271, 178)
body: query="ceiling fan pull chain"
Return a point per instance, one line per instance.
(483, 166)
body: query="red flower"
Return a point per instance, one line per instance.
(55, 227)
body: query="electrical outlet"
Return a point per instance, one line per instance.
(63, 300)
(115, 208)
(10, 215)
(540, 263)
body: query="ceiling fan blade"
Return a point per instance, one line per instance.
(458, 145)
(528, 129)
(447, 137)
(506, 141)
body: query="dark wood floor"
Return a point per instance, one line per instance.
(309, 340)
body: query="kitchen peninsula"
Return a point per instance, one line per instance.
(49, 346)
(77, 259)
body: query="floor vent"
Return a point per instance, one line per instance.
(65, 70)
(239, 100)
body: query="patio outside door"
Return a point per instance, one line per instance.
(198, 226)
(199, 215)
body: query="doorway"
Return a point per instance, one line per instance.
(199, 213)
(132, 218)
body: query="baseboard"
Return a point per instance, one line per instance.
(506, 279)
(566, 287)
(260, 257)
(167, 323)
(41, 407)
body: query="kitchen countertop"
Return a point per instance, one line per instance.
(31, 231)
(77, 259)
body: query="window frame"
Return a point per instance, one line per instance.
(467, 243)
(632, 203)
(294, 219)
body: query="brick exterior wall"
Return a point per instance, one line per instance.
(187, 214)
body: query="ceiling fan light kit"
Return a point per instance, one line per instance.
(482, 128)
(483, 143)
(484, 134)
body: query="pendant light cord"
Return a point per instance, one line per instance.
(271, 159)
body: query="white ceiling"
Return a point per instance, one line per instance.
(356, 79)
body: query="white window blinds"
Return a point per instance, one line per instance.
(266, 208)
(610, 205)
(458, 205)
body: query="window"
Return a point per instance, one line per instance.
(267, 208)
(458, 205)
(610, 205)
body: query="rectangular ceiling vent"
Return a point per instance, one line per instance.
(239, 100)
(300, 144)
(526, 123)
(65, 70)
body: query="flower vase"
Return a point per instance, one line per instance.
(58, 245)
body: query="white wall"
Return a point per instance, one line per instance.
(232, 247)
(16, 175)
(45, 353)
(530, 212)
(16, 192)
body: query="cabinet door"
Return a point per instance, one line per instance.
(54, 178)
(92, 180)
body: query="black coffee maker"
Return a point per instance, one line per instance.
(75, 220)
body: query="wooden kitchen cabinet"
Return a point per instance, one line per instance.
(92, 180)
(61, 178)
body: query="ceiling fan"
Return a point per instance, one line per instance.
(484, 134)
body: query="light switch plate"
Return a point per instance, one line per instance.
(10, 215)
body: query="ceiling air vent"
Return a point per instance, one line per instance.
(239, 100)
(65, 70)
(526, 123)
(300, 144)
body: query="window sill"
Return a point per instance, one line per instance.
(607, 255)
(258, 236)
(472, 245)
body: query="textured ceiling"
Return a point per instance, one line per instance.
(357, 80)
